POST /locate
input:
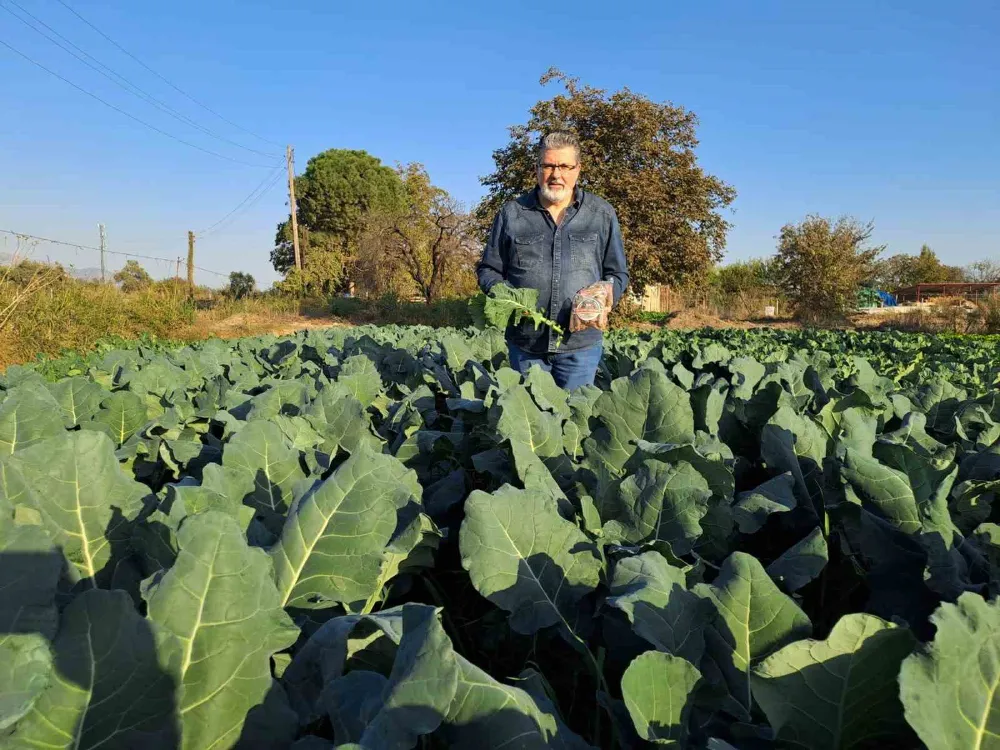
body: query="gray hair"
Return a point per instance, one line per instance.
(555, 140)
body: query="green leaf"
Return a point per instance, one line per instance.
(421, 686)
(359, 378)
(646, 406)
(753, 508)
(29, 572)
(411, 548)
(752, 620)
(332, 546)
(85, 501)
(801, 563)
(525, 558)
(506, 305)
(660, 502)
(351, 701)
(489, 715)
(260, 455)
(654, 596)
(219, 620)
(521, 420)
(28, 415)
(79, 397)
(109, 690)
(546, 393)
(950, 690)
(839, 693)
(342, 421)
(658, 690)
(122, 414)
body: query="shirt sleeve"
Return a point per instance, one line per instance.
(615, 267)
(490, 269)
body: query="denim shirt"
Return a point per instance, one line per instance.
(527, 249)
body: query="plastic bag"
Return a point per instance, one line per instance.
(591, 307)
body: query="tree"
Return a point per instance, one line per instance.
(821, 265)
(241, 285)
(429, 241)
(335, 195)
(744, 277)
(901, 270)
(982, 271)
(132, 277)
(637, 154)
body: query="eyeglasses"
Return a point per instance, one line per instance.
(560, 167)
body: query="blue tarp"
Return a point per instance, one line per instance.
(888, 300)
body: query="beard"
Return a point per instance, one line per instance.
(553, 194)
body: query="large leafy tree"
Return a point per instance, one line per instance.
(428, 242)
(339, 189)
(639, 155)
(906, 270)
(822, 264)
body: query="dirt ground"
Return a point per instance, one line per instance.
(689, 319)
(240, 326)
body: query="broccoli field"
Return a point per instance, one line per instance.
(384, 537)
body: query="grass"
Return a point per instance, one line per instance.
(389, 310)
(45, 315)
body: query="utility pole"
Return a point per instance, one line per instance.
(290, 158)
(104, 247)
(177, 272)
(191, 264)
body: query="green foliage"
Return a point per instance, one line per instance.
(132, 277)
(339, 189)
(386, 537)
(745, 277)
(505, 306)
(822, 264)
(640, 156)
(898, 271)
(241, 285)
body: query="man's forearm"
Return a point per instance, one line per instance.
(488, 277)
(615, 267)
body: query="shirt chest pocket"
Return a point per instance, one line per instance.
(583, 248)
(529, 250)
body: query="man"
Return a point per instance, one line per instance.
(557, 239)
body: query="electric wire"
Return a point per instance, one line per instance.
(165, 80)
(107, 252)
(94, 64)
(128, 114)
(271, 180)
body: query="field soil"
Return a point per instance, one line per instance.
(254, 324)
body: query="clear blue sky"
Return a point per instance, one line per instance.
(884, 110)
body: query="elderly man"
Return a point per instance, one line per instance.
(558, 239)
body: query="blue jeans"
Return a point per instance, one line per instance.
(569, 369)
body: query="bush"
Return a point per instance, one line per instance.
(133, 277)
(821, 265)
(241, 285)
(391, 310)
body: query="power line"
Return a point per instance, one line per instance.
(254, 195)
(117, 78)
(109, 252)
(127, 114)
(165, 80)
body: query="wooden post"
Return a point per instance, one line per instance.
(177, 271)
(104, 247)
(290, 159)
(191, 264)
